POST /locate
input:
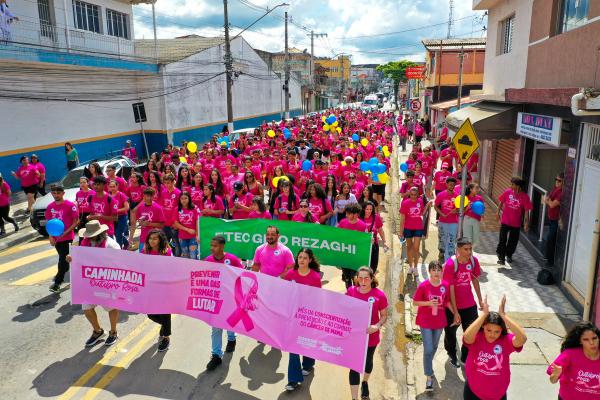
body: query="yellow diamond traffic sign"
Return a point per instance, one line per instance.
(465, 142)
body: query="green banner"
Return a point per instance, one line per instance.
(332, 246)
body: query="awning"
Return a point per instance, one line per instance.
(452, 104)
(491, 121)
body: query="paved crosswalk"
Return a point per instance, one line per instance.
(29, 264)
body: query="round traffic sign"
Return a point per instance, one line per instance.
(415, 105)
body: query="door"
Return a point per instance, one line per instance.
(584, 231)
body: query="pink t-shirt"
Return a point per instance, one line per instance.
(415, 182)
(440, 179)
(488, 366)
(197, 193)
(4, 197)
(258, 215)
(189, 219)
(136, 193)
(121, 183)
(281, 204)
(150, 213)
(358, 226)
(216, 205)
(228, 259)
(104, 206)
(28, 175)
(316, 207)
(67, 212)
(120, 199)
(377, 297)
(169, 202)
(413, 213)
(168, 252)
(425, 314)
(462, 281)
(374, 223)
(515, 204)
(244, 200)
(580, 378)
(273, 260)
(298, 217)
(312, 279)
(81, 197)
(468, 211)
(445, 201)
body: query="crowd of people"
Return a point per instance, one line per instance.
(328, 171)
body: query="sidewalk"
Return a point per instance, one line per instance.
(18, 205)
(544, 311)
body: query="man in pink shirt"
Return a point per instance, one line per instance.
(448, 221)
(129, 151)
(67, 212)
(273, 258)
(514, 208)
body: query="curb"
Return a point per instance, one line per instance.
(24, 235)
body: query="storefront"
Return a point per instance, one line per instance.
(439, 111)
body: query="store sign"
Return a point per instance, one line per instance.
(540, 127)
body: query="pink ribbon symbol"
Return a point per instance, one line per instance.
(244, 302)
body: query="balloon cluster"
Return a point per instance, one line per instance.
(331, 124)
(378, 170)
(224, 141)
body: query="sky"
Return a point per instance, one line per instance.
(372, 31)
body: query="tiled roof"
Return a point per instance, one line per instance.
(467, 43)
(172, 50)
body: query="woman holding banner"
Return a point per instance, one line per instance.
(305, 272)
(366, 289)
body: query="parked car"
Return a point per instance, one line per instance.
(71, 184)
(371, 102)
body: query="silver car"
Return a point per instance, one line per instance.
(71, 184)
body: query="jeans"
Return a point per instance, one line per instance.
(402, 142)
(507, 242)
(62, 248)
(189, 248)
(165, 323)
(467, 316)
(295, 367)
(431, 338)
(471, 230)
(122, 231)
(447, 238)
(172, 238)
(551, 241)
(216, 338)
(332, 221)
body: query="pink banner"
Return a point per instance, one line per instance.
(300, 319)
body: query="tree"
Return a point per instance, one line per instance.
(397, 71)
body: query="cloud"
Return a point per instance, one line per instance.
(357, 27)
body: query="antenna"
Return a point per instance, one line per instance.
(450, 18)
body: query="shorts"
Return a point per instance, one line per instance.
(92, 306)
(30, 189)
(411, 233)
(379, 189)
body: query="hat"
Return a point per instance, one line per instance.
(92, 228)
(128, 141)
(445, 165)
(238, 186)
(34, 155)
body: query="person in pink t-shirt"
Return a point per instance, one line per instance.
(412, 228)
(304, 214)
(490, 345)
(513, 209)
(102, 206)
(186, 225)
(29, 176)
(169, 200)
(472, 221)
(259, 209)
(5, 206)
(273, 258)
(241, 202)
(366, 289)
(578, 364)
(354, 223)
(448, 221)
(67, 212)
(432, 297)
(122, 224)
(306, 271)
(150, 216)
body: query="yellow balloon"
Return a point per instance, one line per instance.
(335, 123)
(271, 133)
(278, 178)
(343, 163)
(457, 201)
(323, 118)
(192, 147)
(386, 153)
(351, 145)
(325, 127)
(183, 159)
(338, 129)
(223, 143)
(364, 141)
(383, 178)
(332, 128)
(385, 148)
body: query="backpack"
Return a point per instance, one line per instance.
(455, 261)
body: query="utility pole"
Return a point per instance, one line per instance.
(450, 18)
(461, 56)
(228, 70)
(313, 82)
(286, 84)
(341, 78)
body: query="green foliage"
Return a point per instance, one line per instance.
(396, 69)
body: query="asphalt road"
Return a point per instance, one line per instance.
(43, 355)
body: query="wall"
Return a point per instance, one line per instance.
(473, 68)
(336, 66)
(496, 78)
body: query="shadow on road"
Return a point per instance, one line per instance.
(260, 366)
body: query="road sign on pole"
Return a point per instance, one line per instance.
(415, 105)
(466, 143)
(139, 114)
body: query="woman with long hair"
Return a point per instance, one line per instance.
(252, 185)
(286, 203)
(122, 224)
(320, 208)
(259, 209)
(72, 156)
(151, 166)
(412, 229)
(304, 214)
(135, 190)
(344, 197)
(155, 183)
(184, 179)
(577, 367)
(81, 198)
(331, 194)
(367, 195)
(197, 189)
(305, 272)
(513, 212)
(212, 204)
(5, 206)
(374, 224)
(186, 222)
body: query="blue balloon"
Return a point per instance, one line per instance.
(478, 208)
(364, 166)
(373, 161)
(355, 137)
(404, 167)
(381, 168)
(55, 227)
(306, 165)
(224, 139)
(287, 133)
(375, 177)
(331, 119)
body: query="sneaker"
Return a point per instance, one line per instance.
(230, 348)
(95, 338)
(454, 362)
(291, 386)
(163, 345)
(55, 287)
(2, 232)
(364, 391)
(500, 262)
(509, 259)
(429, 385)
(214, 362)
(16, 227)
(111, 339)
(306, 372)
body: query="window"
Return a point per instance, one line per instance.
(573, 13)
(507, 28)
(117, 24)
(46, 25)
(86, 16)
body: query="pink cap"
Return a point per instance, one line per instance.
(445, 165)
